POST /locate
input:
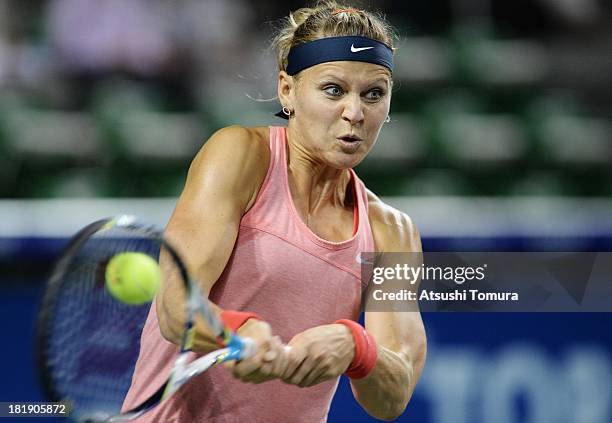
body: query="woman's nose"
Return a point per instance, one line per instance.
(353, 109)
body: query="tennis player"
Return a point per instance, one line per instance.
(273, 221)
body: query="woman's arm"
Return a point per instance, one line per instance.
(400, 336)
(221, 185)
(385, 392)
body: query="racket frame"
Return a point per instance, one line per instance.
(233, 346)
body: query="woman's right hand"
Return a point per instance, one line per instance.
(270, 360)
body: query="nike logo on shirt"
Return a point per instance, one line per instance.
(357, 49)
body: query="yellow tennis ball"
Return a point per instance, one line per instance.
(133, 278)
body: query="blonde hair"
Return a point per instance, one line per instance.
(329, 19)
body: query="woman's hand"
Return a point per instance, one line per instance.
(319, 354)
(270, 360)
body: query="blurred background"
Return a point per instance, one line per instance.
(500, 139)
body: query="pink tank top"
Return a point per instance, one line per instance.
(291, 277)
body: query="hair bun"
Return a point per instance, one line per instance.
(348, 11)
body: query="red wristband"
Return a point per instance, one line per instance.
(235, 319)
(366, 351)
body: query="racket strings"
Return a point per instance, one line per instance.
(94, 339)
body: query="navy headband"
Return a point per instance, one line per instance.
(332, 49)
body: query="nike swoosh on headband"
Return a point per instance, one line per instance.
(357, 49)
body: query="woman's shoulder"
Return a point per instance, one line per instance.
(234, 157)
(239, 138)
(393, 230)
(237, 144)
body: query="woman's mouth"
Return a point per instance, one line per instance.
(349, 138)
(349, 143)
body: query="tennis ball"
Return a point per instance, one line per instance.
(132, 278)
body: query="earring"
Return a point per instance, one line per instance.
(388, 119)
(286, 111)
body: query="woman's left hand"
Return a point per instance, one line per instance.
(319, 354)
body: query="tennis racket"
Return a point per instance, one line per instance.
(88, 342)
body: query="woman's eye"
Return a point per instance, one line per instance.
(376, 94)
(333, 90)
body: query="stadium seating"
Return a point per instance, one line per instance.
(472, 114)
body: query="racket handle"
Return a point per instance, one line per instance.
(240, 348)
(248, 348)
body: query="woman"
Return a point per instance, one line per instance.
(272, 221)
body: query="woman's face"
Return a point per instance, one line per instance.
(339, 108)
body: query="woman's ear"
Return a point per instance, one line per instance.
(286, 86)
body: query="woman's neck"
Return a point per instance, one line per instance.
(314, 182)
